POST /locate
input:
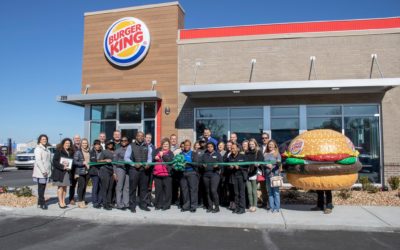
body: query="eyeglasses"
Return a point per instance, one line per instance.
(265, 138)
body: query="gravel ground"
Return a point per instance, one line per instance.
(11, 200)
(357, 198)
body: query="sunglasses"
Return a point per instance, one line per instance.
(266, 138)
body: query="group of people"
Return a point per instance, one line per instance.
(123, 172)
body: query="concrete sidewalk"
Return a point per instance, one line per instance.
(291, 217)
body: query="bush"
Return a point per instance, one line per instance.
(345, 194)
(3, 189)
(372, 189)
(394, 182)
(23, 192)
(365, 183)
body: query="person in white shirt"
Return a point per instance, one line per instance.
(265, 138)
(102, 139)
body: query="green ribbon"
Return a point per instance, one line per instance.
(179, 163)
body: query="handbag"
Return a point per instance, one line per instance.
(260, 176)
(276, 181)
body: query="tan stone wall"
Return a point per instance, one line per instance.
(391, 132)
(347, 57)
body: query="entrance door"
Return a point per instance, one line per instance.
(129, 131)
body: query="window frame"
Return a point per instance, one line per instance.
(116, 120)
(228, 117)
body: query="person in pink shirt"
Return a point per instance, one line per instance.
(162, 175)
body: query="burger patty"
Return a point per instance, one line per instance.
(323, 169)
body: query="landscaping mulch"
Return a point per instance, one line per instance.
(11, 200)
(356, 198)
(387, 198)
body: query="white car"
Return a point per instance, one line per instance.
(27, 159)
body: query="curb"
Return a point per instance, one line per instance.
(186, 219)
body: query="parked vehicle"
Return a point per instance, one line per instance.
(26, 160)
(3, 162)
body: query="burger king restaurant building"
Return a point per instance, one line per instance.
(143, 71)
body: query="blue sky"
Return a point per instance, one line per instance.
(41, 49)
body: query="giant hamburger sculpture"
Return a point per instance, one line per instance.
(322, 159)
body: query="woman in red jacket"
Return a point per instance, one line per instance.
(162, 176)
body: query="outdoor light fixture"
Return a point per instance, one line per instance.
(253, 62)
(335, 89)
(153, 84)
(312, 68)
(236, 91)
(87, 88)
(374, 58)
(167, 110)
(196, 67)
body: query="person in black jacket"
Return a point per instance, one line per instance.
(238, 178)
(139, 174)
(189, 180)
(81, 162)
(197, 157)
(62, 165)
(94, 174)
(121, 176)
(150, 153)
(253, 154)
(228, 191)
(211, 176)
(106, 174)
(76, 146)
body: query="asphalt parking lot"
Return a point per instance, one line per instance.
(13, 177)
(20, 232)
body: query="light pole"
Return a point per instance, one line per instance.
(60, 134)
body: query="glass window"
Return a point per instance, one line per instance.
(325, 123)
(212, 113)
(284, 111)
(101, 112)
(247, 112)
(247, 128)
(283, 137)
(324, 110)
(149, 110)
(129, 132)
(284, 123)
(364, 133)
(361, 110)
(98, 126)
(130, 113)
(218, 127)
(149, 127)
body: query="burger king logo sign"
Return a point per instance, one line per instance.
(126, 41)
(296, 146)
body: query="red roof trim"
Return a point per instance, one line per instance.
(267, 29)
